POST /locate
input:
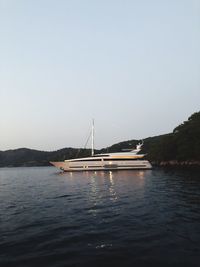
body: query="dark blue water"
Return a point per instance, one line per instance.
(123, 218)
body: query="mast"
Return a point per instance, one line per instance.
(92, 152)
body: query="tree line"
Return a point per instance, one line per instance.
(183, 144)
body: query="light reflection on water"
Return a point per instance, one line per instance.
(129, 218)
(103, 185)
(113, 194)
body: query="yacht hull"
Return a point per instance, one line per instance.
(67, 166)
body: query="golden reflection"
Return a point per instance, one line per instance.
(108, 185)
(94, 186)
(141, 174)
(94, 195)
(113, 194)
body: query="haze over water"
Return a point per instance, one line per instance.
(129, 218)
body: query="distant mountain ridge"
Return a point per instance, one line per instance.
(31, 157)
(181, 147)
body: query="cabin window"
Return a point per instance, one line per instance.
(121, 159)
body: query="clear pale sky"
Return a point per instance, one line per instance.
(133, 66)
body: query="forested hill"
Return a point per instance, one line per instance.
(30, 157)
(182, 146)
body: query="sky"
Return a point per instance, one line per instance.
(132, 66)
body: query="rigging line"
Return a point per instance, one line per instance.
(88, 139)
(78, 152)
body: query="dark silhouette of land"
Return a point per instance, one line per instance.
(179, 148)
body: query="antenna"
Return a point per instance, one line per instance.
(92, 138)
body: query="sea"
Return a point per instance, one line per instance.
(119, 218)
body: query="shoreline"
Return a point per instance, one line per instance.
(177, 164)
(187, 164)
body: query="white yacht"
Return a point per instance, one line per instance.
(109, 161)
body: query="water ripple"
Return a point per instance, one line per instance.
(125, 218)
